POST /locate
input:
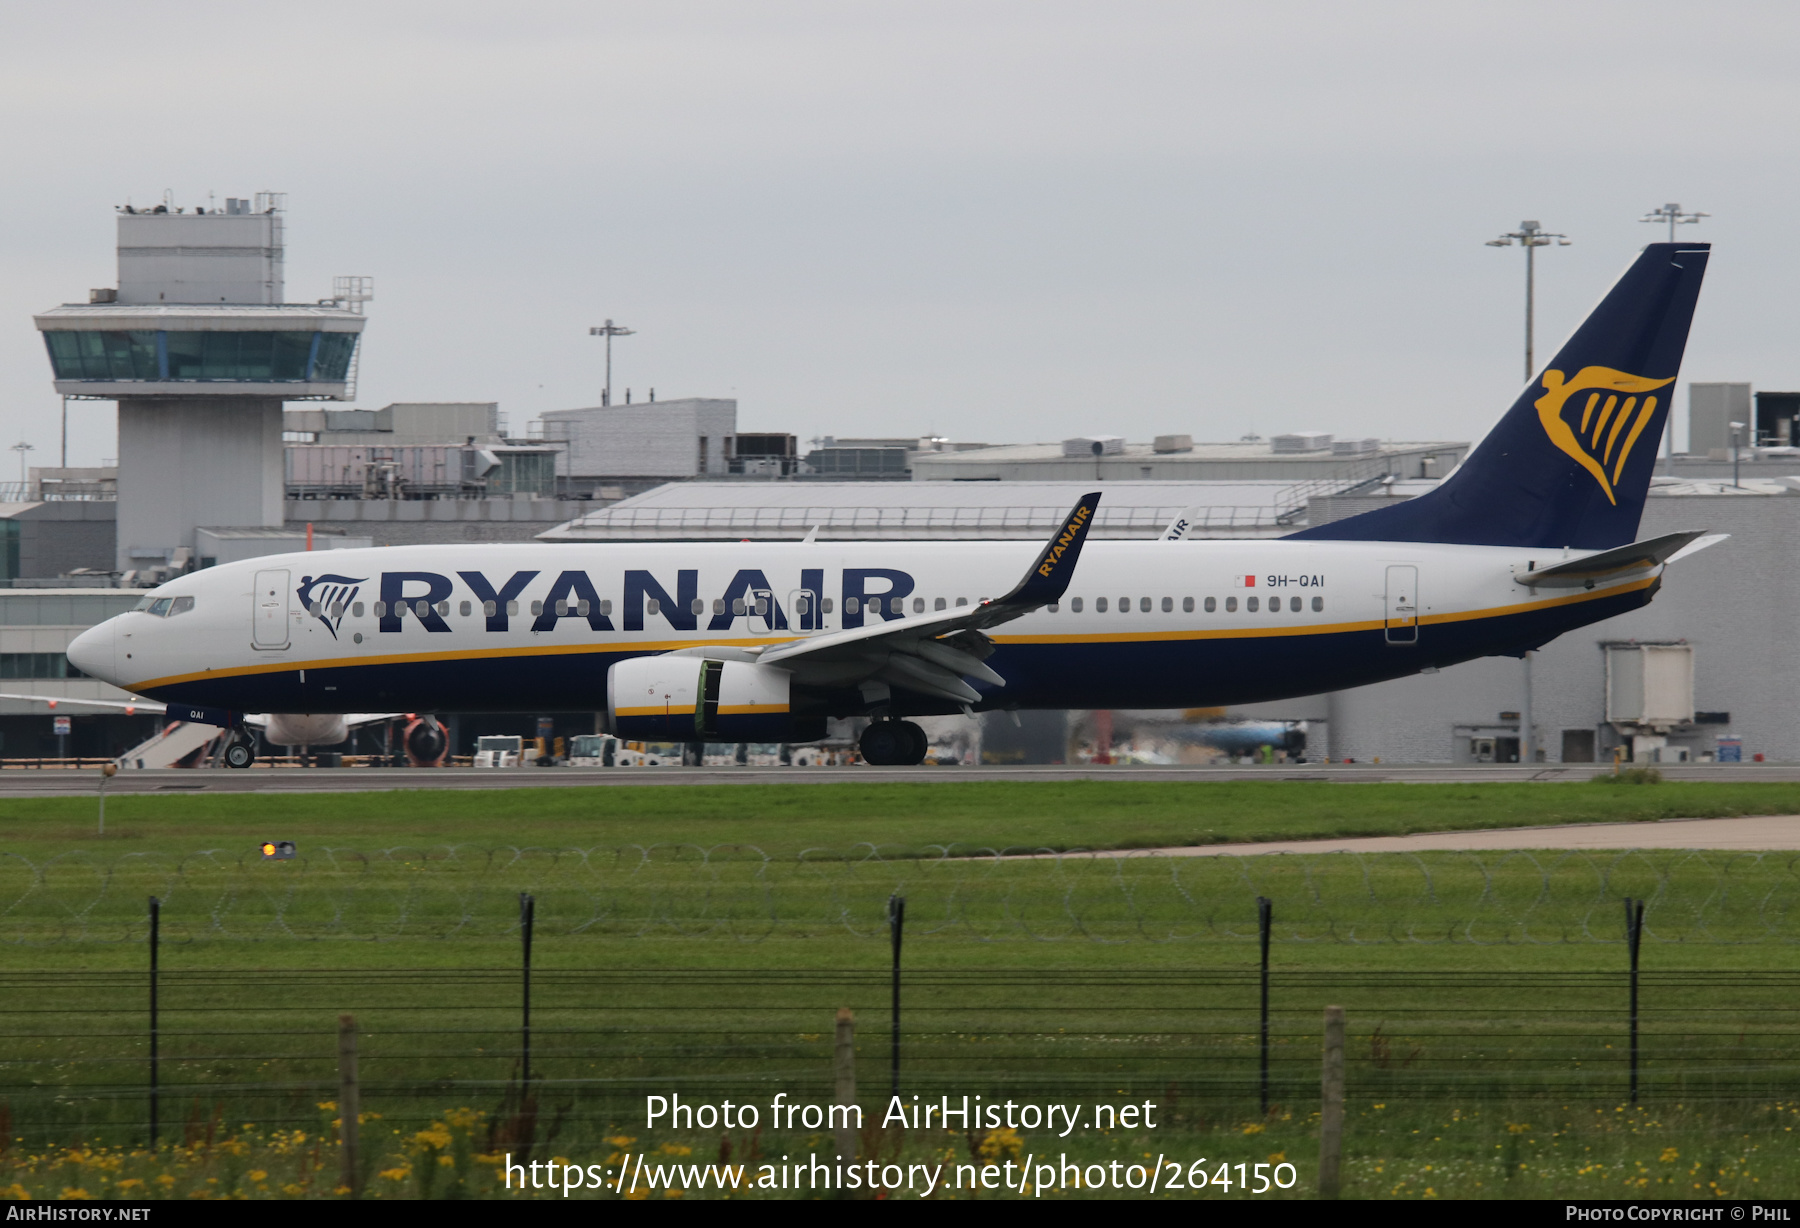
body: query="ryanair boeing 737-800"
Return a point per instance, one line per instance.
(757, 641)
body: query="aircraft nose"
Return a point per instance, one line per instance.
(93, 652)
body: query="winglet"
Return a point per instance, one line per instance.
(1049, 576)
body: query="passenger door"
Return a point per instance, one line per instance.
(1402, 605)
(803, 611)
(759, 611)
(270, 610)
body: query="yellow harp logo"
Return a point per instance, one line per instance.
(1607, 430)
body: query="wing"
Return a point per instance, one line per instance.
(931, 654)
(54, 701)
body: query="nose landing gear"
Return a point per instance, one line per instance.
(893, 744)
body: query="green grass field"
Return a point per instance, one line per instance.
(701, 939)
(897, 819)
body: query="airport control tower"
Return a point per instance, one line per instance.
(200, 351)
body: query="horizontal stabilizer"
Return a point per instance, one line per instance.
(1609, 566)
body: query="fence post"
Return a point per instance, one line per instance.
(527, 912)
(1265, 911)
(843, 1068)
(896, 924)
(155, 1073)
(1331, 1106)
(1634, 935)
(349, 1106)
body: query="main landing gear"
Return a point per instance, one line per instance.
(239, 753)
(893, 744)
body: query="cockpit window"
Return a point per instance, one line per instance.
(160, 607)
(182, 606)
(143, 604)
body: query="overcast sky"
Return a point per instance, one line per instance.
(992, 221)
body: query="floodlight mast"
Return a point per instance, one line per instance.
(609, 330)
(1530, 236)
(1672, 214)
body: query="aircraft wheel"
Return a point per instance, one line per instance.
(917, 742)
(885, 744)
(239, 755)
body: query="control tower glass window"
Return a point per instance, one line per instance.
(107, 356)
(225, 357)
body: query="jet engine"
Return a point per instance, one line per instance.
(690, 699)
(313, 729)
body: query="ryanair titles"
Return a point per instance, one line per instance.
(539, 600)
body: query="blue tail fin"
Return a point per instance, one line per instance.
(1570, 463)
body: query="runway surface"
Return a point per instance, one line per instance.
(61, 783)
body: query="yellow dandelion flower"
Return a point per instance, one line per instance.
(72, 1193)
(1255, 1127)
(397, 1174)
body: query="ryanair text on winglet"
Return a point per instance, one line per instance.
(1055, 552)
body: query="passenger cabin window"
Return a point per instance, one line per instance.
(1124, 605)
(962, 601)
(1168, 605)
(537, 607)
(605, 608)
(1318, 604)
(825, 604)
(464, 609)
(1075, 605)
(490, 608)
(337, 609)
(1144, 605)
(737, 605)
(1294, 604)
(581, 607)
(1250, 604)
(1055, 606)
(1231, 604)
(652, 605)
(918, 605)
(443, 608)
(1212, 603)
(356, 611)
(512, 607)
(718, 605)
(1099, 605)
(381, 609)
(314, 608)
(852, 605)
(939, 604)
(696, 605)
(1187, 605)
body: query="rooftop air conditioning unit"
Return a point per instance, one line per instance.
(1355, 447)
(1094, 445)
(1301, 441)
(1173, 443)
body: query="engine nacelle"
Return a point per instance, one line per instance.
(688, 699)
(312, 729)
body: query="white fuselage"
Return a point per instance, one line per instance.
(535, 627)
